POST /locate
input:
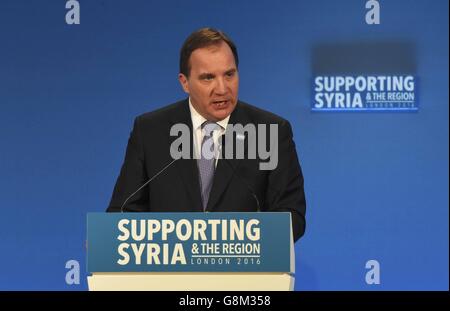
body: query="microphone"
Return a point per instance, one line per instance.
(222, 147)
(148, 181)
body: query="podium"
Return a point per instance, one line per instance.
(190, 252)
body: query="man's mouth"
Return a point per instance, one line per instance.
(220, 103)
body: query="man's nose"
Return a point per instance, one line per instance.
(221, 87)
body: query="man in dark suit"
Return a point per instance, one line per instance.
(209, 74)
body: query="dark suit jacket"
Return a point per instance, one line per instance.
(177, 189)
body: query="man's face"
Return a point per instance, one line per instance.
(213, 81)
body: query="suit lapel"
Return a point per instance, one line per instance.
(187, 168)
(225, 169)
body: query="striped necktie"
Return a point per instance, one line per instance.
(206, 162)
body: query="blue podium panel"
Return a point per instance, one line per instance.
(189, 242)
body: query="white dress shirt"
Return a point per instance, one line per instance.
(197, 121)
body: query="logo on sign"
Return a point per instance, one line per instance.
(365, 93)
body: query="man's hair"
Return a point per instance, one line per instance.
(201, 38)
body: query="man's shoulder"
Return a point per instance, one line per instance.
(257, 115)
(163, 113)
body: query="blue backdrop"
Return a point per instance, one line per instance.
(376, 183)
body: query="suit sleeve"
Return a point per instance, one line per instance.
(285, 191)
(132, 176)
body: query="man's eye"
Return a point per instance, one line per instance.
(208, 78)
(230, 74)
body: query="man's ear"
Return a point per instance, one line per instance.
(184, 82)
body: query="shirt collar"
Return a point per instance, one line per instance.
(198, 119)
